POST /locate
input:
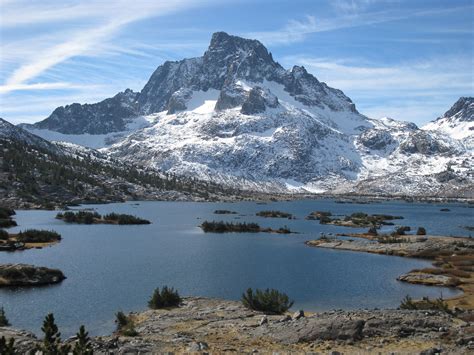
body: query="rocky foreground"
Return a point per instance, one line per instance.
(215, 326)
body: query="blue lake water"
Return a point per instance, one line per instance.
(111, 268)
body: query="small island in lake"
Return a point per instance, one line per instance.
(28, 275)
(28, 239)
(357, 219)
(274, 214)
(86, 217)
(229, 227)
(224, 212)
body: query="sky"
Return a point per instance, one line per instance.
(405, 59)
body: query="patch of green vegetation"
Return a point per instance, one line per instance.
(317, 215)
(274, 214)
(402, 230)
(7, 223)
(38, 236)
(3, 319)
(269, 301)
(7, 348)
(421, 231)
(81, 217)
(125, 325)
(424, 304)
(86, 217)
(229, 227)
(4, 235)
(6, 212)
(224, 212)
(222, 227)
(167, 297)
(125, 219)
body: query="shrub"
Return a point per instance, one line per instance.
(168, 297)
(324, 219)
(3, 319)
(52, 338)
(401, 230)
(38, 236)
(267, 301)
(372, 231)
(7, 223)
(3, 234)
(6, 213)
(424, 304)
(125, 325)
(83, 345)
(7, 348)
(421, 231)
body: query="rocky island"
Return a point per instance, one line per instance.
(86, 217)
(12, 275)
(228, 227)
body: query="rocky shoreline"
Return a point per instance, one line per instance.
(219, 326)
(453, 259)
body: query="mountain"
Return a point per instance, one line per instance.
(236, 117)
(457, 122)
(38, 173)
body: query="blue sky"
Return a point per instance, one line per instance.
(406, 59)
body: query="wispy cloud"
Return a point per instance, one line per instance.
(105, 19)
(43, 86)
(298, 30)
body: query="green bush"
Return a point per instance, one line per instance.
(125, 326)
(6, 213)
(421, 231)
(267, 301)
(3, 234)
(52, 338)
(7, 223)
(424, 304)
(168, 297)
(3, 318)
(7, 348)
(83, 344)
(401, 230)
(38, 236)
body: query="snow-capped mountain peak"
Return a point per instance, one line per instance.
(458, 121)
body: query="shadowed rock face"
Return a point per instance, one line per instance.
(463, 110)
(424, 143)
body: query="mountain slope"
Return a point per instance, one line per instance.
(457, 122)
(34, 172)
